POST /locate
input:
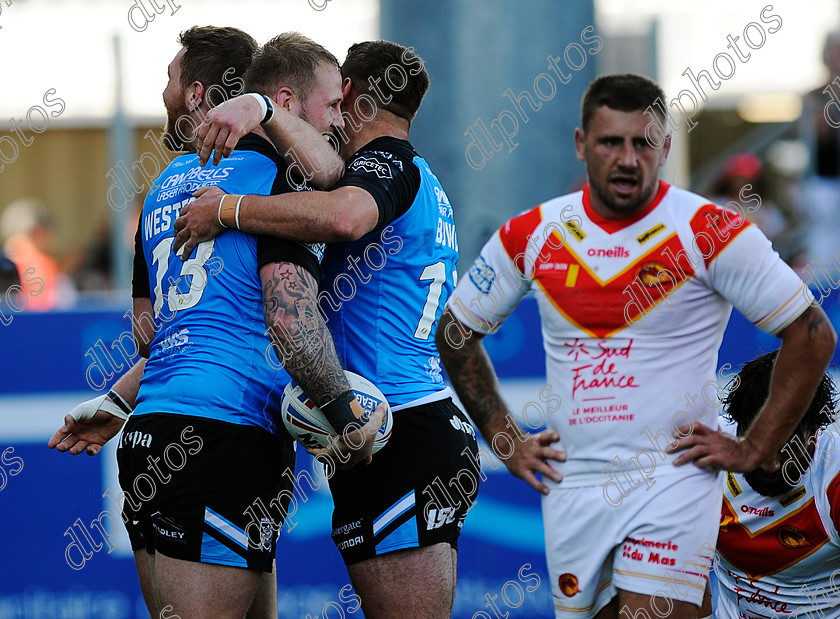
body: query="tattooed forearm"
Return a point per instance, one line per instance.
(815, 322)
(814, 319)
(300, 337)
(471, 372)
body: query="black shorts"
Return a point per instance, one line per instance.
(201, 490)
(416, 492)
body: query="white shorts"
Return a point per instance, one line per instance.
(657, 542)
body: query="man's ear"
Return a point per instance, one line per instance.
(345, 87)
(195, 96)
(580, 141)
(287, 99)
(666, 148)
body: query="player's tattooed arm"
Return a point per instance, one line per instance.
(807, 347)
(471, 372)
(299, 335)
(816, 321)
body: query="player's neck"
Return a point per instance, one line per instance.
(260, 132)
(378, 128)
(611, 214)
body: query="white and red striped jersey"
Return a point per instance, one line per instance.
(780, 556)
(633, 313)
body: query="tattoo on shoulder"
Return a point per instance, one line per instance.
(813, 318)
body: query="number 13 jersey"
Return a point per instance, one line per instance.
(211, 356)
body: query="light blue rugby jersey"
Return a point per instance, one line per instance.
(383, 294)
(209, 357)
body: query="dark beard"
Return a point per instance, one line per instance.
(171, 137)
(768, 484)
(796, 460)
(623, 207)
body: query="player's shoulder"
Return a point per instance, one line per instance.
(553, 211)
(255, 143)
(384, 157)
(557, 208)
(824, 477)
(182, 162)
(699, 211)
(825, 463)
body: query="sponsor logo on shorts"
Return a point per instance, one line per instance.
(462, 425)
(132, 439)
(172, 534)
(568, 584)
(436, 519)
(266, 533)
(353, 541)
(347, 528)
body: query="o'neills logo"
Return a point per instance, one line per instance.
(616, 252)
(568, 584)
(764, 511)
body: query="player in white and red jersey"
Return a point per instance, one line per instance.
(779, 542)
(635, 281)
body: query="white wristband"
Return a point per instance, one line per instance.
(263, 107)
(237, 211)
(219, 213)
(88, 409)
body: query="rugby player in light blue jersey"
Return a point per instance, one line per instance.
(203, 445)
(387, 274)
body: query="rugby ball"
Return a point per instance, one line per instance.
(307, 424)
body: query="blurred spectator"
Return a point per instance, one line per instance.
(742, 182)
(821, 186)
(28, 241)
(742, 186)
(8, 275)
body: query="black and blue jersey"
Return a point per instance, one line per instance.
(383, 294)
(209, 356)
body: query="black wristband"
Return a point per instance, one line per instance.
(269, 111)
(117, 399)
(344, 411)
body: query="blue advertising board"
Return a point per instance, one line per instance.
(67, 554)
